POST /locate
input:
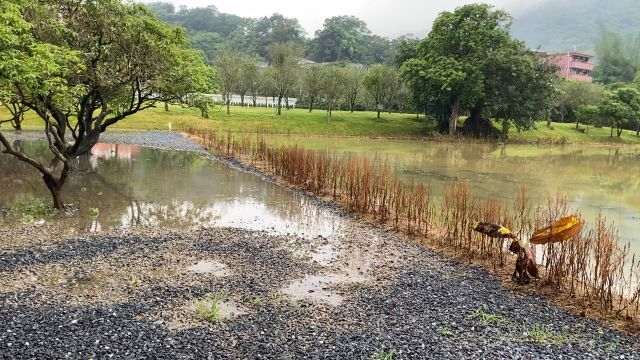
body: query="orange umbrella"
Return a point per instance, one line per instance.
(561, 230)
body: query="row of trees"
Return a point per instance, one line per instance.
(377, 87)
(342, 38)
(616, 105)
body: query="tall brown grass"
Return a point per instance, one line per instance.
(593, 266)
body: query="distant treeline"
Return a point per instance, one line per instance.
(342, 38)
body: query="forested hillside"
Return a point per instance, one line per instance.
(342, 38)
(561, 25)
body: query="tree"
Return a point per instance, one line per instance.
(587, 114)
(352, 84)
(471, 62)
(249, 80)
(284, 69)
(227, 65)
(268, 31)
(83, 66)
(575, 94)
(341, 38)
(311, 82)
(616, 63)
(380, 82)
(332, 86)
(621, 107)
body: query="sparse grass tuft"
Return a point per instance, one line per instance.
(94, 212)
(209, 308)
(445, 331)
(486, 318)
(541, 334)
(383, 355)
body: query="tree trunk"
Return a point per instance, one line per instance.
(378, 114)
(286, 102)
(166, 106)
(611, 131)
(279, 105)
(638, 129)
(577, 124)
(453, 120)
(55, 186)
(310, 105)
(619, 129)
(242, 100)
(228, 106)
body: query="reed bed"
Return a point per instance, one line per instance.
(593, 266)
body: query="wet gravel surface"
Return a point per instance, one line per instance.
(126, 295)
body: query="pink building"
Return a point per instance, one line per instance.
(573, 65)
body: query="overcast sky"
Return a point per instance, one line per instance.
(385, 17)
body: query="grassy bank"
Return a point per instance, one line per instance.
(301, 122)
(294, 121)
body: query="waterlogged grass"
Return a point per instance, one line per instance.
(29, 209)
(567, 133)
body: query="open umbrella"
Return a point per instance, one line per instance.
(561, 230)
(493, 230)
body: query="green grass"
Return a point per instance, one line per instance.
(567, 132)
(541, 334)
(343, 123)
(294, 121)
(383, 355)
(485, 317)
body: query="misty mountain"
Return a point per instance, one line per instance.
(561, 25)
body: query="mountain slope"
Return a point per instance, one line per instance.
(561, 25)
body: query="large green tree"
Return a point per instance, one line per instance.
(228, 71)
(84, 65)
(382, 83)
(470, 62)
(621, 107)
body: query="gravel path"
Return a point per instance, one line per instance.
(130, 295)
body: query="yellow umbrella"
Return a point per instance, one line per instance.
(561, 230)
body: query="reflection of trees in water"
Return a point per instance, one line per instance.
(156, 187)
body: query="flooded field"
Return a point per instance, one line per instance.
(121, 186)
(595, 178)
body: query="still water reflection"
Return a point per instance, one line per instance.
(135, 186)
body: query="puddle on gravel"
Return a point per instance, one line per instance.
(210, 267)
(317, 288)
(136, 186)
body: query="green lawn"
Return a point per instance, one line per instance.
(569, 132)
(292, 121)
(341, 124)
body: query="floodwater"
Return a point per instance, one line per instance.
(136, 186)
(594, 178)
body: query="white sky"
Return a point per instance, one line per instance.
(384, 17)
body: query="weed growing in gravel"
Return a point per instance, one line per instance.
(209, 308)
(447, 277)
(256, 300)
(541, 334)
(486, 318)
(383, 355)
(133, 278)
(94, 212)
(445, 331)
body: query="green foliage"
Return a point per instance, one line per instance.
(621, 108)
(469, 61)
(571, 95)
(94, 212)
(283, 69)
(541, 334)
(618, 60)
(333, 86)
(382, 83)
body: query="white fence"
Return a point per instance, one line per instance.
(261, 101)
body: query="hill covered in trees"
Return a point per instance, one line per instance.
(561, 25)
(342, 38)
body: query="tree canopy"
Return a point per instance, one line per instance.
(83, 66)
(469, 61)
